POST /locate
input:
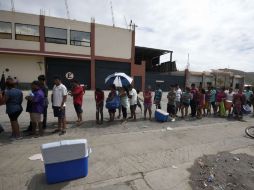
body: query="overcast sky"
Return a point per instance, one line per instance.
(216, 33)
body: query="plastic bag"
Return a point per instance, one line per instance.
(222, 109)
(114, 103)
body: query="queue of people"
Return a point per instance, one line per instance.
(202, 102)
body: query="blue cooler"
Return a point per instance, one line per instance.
(65, 160)
(161, 115)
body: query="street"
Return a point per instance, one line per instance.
(139, 155)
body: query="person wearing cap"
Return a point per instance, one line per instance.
(36, 98)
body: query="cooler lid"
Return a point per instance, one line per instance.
(65, 150)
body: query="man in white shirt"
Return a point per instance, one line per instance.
(58, 98)
(133, 101)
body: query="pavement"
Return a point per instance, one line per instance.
(142, 155)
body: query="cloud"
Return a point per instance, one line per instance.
(216, 33)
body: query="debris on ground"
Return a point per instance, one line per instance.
(224, 171)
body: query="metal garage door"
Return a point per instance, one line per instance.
(105, 68)
(68, 68)
(138, 82)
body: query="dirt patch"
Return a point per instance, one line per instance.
(224, 171)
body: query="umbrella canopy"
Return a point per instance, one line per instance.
(118, 79)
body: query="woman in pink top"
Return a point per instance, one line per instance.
(148, 102)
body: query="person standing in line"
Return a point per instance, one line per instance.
(77, 92)
(36, 98)
(213, 93)
(112, 94)
(99, 99)
(171, 106)
(220, 98)
(45, 89)
(229, 101)
(13, 99)
(193, 102)
(185, 102)
(139, 101)
(58, 98)
(178, 98)
(133, 96)
(248, 93)
(120, 106)
(147, 94)
(124, 96)
(207, 108)
(200, 102)
(238, 102)
(157, 97)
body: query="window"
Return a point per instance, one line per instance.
(80, 38)
(55, 35)
(5, 30)
(27, 32)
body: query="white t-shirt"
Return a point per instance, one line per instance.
(133, 99)
(229, 96)
(178, 94)
(58, 93)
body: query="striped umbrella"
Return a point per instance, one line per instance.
(118, 79)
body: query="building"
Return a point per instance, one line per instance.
(217, 78)
(31, 45)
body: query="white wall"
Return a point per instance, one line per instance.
(51, 47)
(112, 42)
(19, 18)
(23, 18)
(25, 68)
(67, 24)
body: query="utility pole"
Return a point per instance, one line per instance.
(12, 6)
(112, 13)
(67, 9)
(188, 62)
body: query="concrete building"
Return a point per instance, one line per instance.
(217, 78)
(31, 45)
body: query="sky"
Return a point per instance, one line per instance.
(215, 33)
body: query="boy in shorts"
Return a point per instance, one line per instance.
(58, 98)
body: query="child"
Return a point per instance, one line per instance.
(99, 99)
(185, 101)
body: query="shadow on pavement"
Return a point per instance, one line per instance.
(38, 182)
